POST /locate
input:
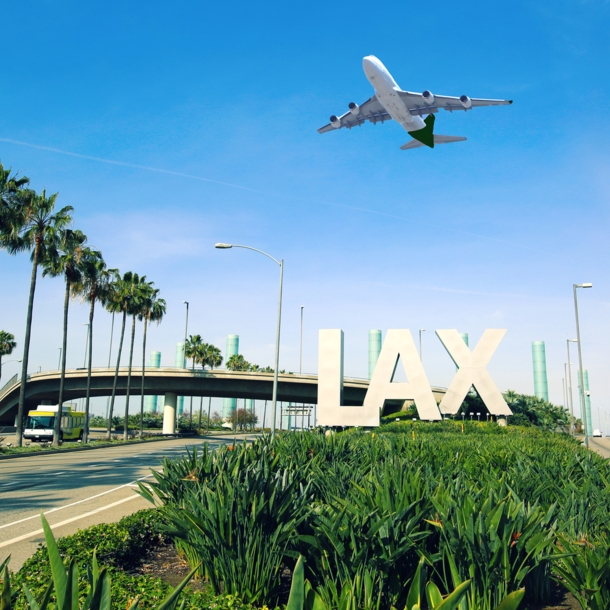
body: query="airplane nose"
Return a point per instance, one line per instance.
(368, 61)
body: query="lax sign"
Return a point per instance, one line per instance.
(399, 345)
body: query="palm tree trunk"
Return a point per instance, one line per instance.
(209, 409)
(26, 347)
(143, 375)
(86, 430)
(133, 336)
(0, 367)
(62, 378)
(116, 376)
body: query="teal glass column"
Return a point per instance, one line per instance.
(374, 349)
(541, 386)
(151, 402)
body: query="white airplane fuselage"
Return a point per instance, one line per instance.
(386, 90)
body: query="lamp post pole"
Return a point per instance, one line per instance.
(186, 328)
(222, 246)
(421, 330)
(583, 408)
(301, 344)
(59, 362)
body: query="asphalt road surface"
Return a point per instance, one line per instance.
(77, 490)
(601, 445)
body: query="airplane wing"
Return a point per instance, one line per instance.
(420, 105)
(371, 111)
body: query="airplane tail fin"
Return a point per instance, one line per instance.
(426, 136)
(438, 139)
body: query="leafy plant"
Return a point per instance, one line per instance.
(64, 584)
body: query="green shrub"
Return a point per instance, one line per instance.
(479, 501)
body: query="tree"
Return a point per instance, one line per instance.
(138, 291)
(243, 418)
(7, 345)
(212, 356)
(153, 310)
(194, 348)
(27, 221)
(238, 363)
(12, 194)
(63, 257)
(92, 287)
(119, 294)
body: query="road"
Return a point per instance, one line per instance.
(600, 445)
(76, 490)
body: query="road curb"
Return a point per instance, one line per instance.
(89, 448)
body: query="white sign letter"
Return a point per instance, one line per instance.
(472, 371)
(330, 386)
(399, 344)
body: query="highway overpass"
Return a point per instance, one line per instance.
(183, 382)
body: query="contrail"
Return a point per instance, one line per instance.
(132, 165)
(169, 172)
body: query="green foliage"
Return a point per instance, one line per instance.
(70, 592)
(248, 508)
(7, 343)
(122, 546)
(583, 566)
(538, 411)
(481, 503)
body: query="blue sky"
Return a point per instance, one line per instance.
(491, 232)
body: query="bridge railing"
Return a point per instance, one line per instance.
(9, 383)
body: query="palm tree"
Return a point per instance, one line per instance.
(212, 356)
(27, 221)
(238, 363)
(153, 310)
(63, 257)
(92, 287)
(139, 288)
(193, 348)
(7, 345)
(119, 294)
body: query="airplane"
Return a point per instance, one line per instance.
(407, 108)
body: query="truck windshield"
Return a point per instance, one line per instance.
(39, 421)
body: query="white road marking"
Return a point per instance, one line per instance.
(48, 512)
(56, 525)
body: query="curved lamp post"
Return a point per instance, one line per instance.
(583, 408)
(222, 246)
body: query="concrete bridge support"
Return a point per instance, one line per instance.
(169, 413)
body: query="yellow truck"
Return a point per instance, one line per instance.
(40, 422)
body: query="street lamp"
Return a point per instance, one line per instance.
(59, 361)
(479, 416)
(186, 327)
(222, 246)
(421, 330)
(583, 410)
(301, 344)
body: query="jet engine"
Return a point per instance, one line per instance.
(466, 101)
(354, 108)
(428, 97)
(335, 122)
